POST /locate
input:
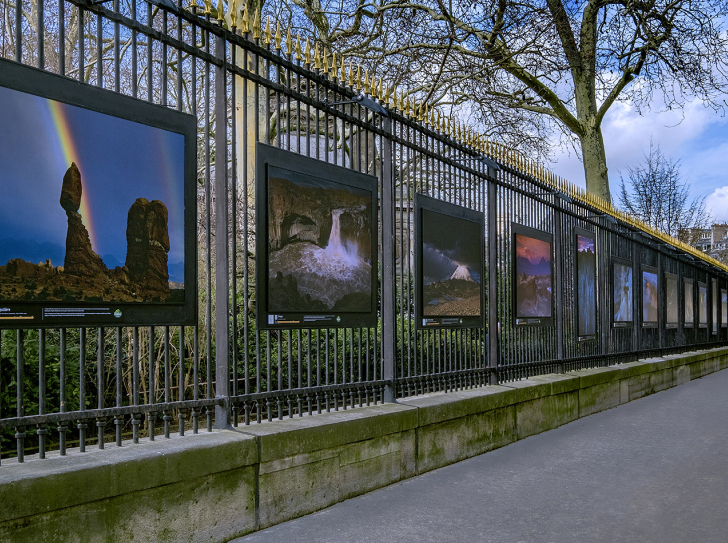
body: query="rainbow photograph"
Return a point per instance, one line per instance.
(92, 205)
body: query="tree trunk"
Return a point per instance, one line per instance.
(595, 163)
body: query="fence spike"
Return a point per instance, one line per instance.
(351, 73)
(233, 14)
(220, 12)
(357, 80)
(316, 57)
(244, 22)
(343, 70)
(208, 7)
(307, 54)
(289, 41)
(256, 26)
(387, 96)
(298, 47)
(267, 34)
(326, 61)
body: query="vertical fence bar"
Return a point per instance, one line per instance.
(41, 428)
(222, 262)
(100, 421)
(389, 303)
(492, 233)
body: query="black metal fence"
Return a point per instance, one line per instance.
(63, 389)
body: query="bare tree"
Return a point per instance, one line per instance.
(531, 67)
(656, 193)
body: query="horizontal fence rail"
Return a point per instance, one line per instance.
(68, 389)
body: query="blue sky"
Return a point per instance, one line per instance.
(697, 135)
(119, 160)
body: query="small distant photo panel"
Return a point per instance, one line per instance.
(532, 276)
(672, 312)
(622, 293)
(724, 308)
(689, 289)
(714, 295)
(449, 255)
(586, 280)
(97, 206)
(650, 297)
(317, 243)
(702, 305)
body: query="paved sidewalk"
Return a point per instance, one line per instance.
(654, 470)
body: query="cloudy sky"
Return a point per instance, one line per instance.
(697, 135)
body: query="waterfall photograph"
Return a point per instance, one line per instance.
(622, 293)
(533, 277)
(671, 300)
(586, 277)
(451, 265)
(649, 298)
(319, 245)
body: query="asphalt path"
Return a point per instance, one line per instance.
(653, 470)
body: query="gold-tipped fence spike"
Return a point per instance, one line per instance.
(208, 7)
(244, 21)
(267, 36)
(326, 60)
(233, 14)
(256, 26)
(193, 4)
(298, 48)
(220, 12)
(307, 53)
(351, 73)
(387, 95)
(343, 70)
(357, 78)
(381, 89)
(316, 57)
(334, 67)
(289, 41)
(367, 88)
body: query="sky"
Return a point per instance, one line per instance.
(119, 161)
(697, 135)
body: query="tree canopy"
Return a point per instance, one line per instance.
(526, 70)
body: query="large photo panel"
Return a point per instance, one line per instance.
(316, 243)
(532, 276)
(688, 293)
(622, 293)
(97, 214)
(449, 256)
(650, 297)
(586, 284)
(702, 305)
(672, 313)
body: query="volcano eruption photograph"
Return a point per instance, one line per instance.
(532, 276)
(319, 245)
(92, 206)
(451, 258)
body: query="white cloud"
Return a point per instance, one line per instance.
(717, 204)
(696, 134)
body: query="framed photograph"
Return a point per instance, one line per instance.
(688, 290)
(702, 305)
(98, 206)
(724, 308)
(586, 285)
(317, 243)
(650, 297)
(449, 256)
(672, 312)
(714, 305)
(622, 293)
(532, 277)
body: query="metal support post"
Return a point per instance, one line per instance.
(389, 320)
(492, 232)
(222, 271)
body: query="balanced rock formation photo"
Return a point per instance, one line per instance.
(80, 256)
(147, 245)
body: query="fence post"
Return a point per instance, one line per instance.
(492, 233)
(559, 286)
(222, 261)
(389, 307)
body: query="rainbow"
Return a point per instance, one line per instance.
(67, 145)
